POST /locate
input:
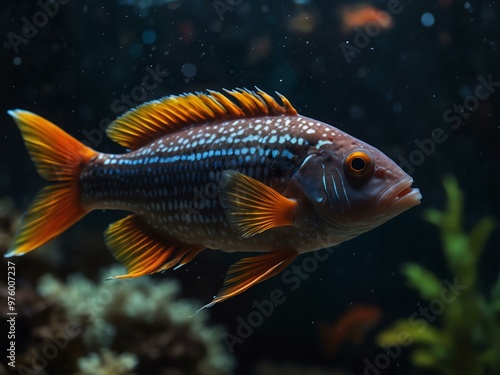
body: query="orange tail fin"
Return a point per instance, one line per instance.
(57, 157)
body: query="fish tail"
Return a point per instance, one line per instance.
(58, 157)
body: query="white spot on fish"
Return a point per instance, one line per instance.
(321, 143)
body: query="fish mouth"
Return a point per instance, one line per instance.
(402, 195)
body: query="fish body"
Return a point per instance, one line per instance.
(173, 181)
(352, 327)
(354, 16)
(204, 172)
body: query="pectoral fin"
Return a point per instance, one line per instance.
(250, 271)
(143, 251)
(252, 207)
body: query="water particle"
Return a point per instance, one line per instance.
(397, 108)
(427, 19)
(189, 70)
(148, 36)
(136, 50)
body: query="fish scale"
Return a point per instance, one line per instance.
(233, 171)
(163, 180)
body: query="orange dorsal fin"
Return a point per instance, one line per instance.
(252, 207)
(154, 119)
(142, 251)
(250, 271)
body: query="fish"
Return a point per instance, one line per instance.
(233, 171)
(352, 327)
(360, 15)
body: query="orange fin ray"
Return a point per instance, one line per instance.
(57, 157)
(53, 211)
(142, 251)
(252, 207)
(147, 122)
(250, 271)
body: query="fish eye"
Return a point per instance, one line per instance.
(358, 163)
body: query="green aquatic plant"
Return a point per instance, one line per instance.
(467, 340)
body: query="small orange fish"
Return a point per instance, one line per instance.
(352, 326)
(359, 15)
(280, 183)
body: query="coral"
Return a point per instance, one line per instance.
(107, 363)
(269, 368)
(144, 317)
(468, 339)
(42, 343)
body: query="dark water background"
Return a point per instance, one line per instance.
(396, 91)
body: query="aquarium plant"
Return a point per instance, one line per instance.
(464, 338)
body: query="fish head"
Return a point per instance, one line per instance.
(354, 187)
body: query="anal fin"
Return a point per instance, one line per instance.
(142, 250)
(250, 271)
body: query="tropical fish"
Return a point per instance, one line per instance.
(352, 327)
(353, 16)
(279, 183)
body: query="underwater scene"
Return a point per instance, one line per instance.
(250, 187)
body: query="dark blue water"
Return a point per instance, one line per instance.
(419, 81)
